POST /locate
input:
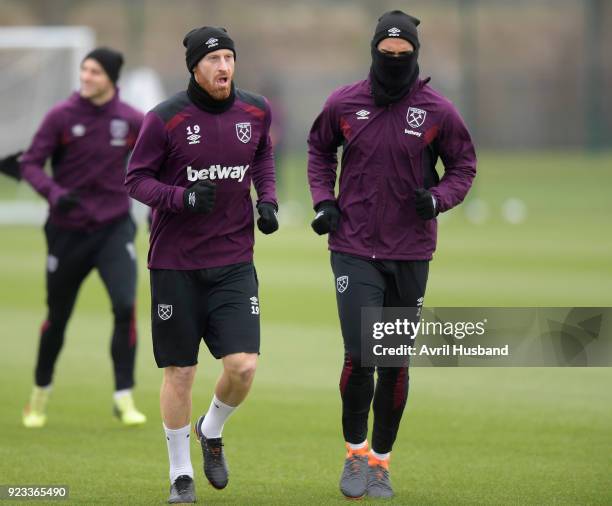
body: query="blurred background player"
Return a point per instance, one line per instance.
(193, 164)
(88, 138)
(382, 227)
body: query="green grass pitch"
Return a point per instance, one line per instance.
(469, 436)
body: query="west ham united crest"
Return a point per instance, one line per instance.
(118, 129)
(243, 131)
(415, 117)
(164, 311)
(342, 283)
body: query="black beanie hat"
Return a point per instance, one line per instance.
(397, 24)
(110, 60)
(201, 41)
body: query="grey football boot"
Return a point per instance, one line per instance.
(354, 479)
(215, 467)
(379, 483)
(182, 490)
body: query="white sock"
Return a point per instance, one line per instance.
(358, 446)
(381, 456)
(218, 413)
(178, 452)
(121, 393)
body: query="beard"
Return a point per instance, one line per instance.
(217, 91)
(215, 97)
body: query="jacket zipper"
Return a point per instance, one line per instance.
(378, 195)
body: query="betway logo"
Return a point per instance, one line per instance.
(412, 132)
(217, 172)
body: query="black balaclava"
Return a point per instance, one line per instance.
(198, 43)
(392, 77)
(110, 60)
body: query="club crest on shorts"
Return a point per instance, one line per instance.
(243, 132)
(164, 311)
(342, 284)
(415, 117)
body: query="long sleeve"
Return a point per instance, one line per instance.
(138, 121)
(459, 159)
(146, 162)
(45, 142)
(323, 142)
(263, 164)
(136, 125)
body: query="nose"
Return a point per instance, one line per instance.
(224, 65)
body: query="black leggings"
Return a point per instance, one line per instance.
(361, 282)
(71, 257)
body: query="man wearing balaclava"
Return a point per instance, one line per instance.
(87, 138)
(194, 163)
(382, 225)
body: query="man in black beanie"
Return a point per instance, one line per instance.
(111, 61)
(194, 163)
(100, 83)
(87, 138)
(382, 225)
(395, 51)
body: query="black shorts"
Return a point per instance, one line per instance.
(378, 283)
(219, 305)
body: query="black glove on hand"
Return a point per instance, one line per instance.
(425, 204)
(327, 218)
(9, 165)
(200, 197)
(268, 221)
(67, 202)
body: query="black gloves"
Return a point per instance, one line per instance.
(67, 202)
(425, 204)
(200, 197)
(9, 165)
(327, 218)
(267, 222)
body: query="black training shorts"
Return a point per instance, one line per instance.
(219, 305)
